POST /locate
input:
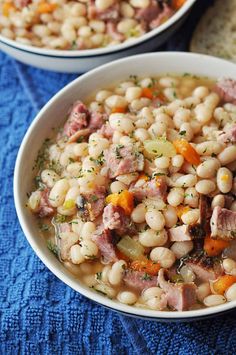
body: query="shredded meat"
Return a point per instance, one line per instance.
(223, 224)
(155, 188)
(139, 280)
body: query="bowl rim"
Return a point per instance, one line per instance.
(69, 280)
(76, 54)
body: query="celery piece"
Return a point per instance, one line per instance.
(159, 147)
(130, 248)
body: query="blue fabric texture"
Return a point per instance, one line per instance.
(41, 315)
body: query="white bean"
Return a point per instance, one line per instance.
(88, 249)
(175, 196)
(152, 292)
(170, 215)
(230, 294)
(75, 254)
(155, 219)
(181, 249)
(218, 200)
(58, 193)
(228, 155)
(162, 162)
(116, 273)
(117, 186)
(177, 161)
(34, 200)
(229, 265)
(116, 101)
(49, 177)
(214, 300)
(133, 93)
(121, 123)
(190, 217)
(205, 187)
(164, 256)
(209, 148)
(127, 297)
(224, 180)
(191, 197)
(208, 168)
(188, 180)
(152, 238)
(203, 291)
(138, 213)
(187, 274)
(87, 230)
(203, 113)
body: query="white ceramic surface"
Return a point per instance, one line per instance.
(53, 115)
(80, 61)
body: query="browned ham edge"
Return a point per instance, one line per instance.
(223, 224)
(226, 89)
(180, 296)
(139, 280)
(205, 268)
(104, 240)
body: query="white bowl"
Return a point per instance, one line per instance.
(80, 61)
(53, 115)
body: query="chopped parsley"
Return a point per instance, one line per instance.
(94, 198)
(53, 248)
(99, 275)
(80, 139)
(182, 133)
(213, 155)
(60, 218)
(146, 277)
(44, 227)
(233, 233)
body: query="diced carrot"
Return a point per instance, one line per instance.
(181, 209)
(146, 265)
(148, 93)
(143, 177)
(119, 110)
(214, 247)
(184, 148)
(178, 3)
(125, 199)
(122, 256)
(6, 8)
(46, 8)
(223, 283)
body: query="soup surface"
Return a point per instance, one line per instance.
(136, 193)
(84, 24)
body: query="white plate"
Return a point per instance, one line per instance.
(53, 115)
(83, 60)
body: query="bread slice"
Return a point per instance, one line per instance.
(216, 32)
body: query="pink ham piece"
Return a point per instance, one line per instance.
(153, 189)
(180, 234)
(180, 296)
(149, 13)
(229, 136)
(226, 89)
(223, 224)
(114, 218)
(203, 272)
(110, 14)
(94, 203)
(112, 31)
(78, 119)
(139, 280)
(165, 14)
(122, 159)
(45, 209)
(22, 3)
(97, 119)
(106, 130)
(104, 241)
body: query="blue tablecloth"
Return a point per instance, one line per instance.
(41, 315)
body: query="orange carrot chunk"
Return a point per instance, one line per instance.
(6, 8)
(46, 8)
(223, 283)
(214, 247)
(178, 3)
(146, 265)
(125, 199)
(187, 151)
(148, 93)
(118, 110)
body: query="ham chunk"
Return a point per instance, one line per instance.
(229, 136)
(149, 13)
(105, 242)
(22, 3)
(97, 119)
(180, 234)
(139, 280)
(180, 296)
(113, 32)
(223, 224)
(204, 267)
(77, 120)
(91, 204)
(110, 14)
(153, 189)
(114, 218)
(122, 159)
(45, 209)
(165, 14)
(106, 130)
(226, 88)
